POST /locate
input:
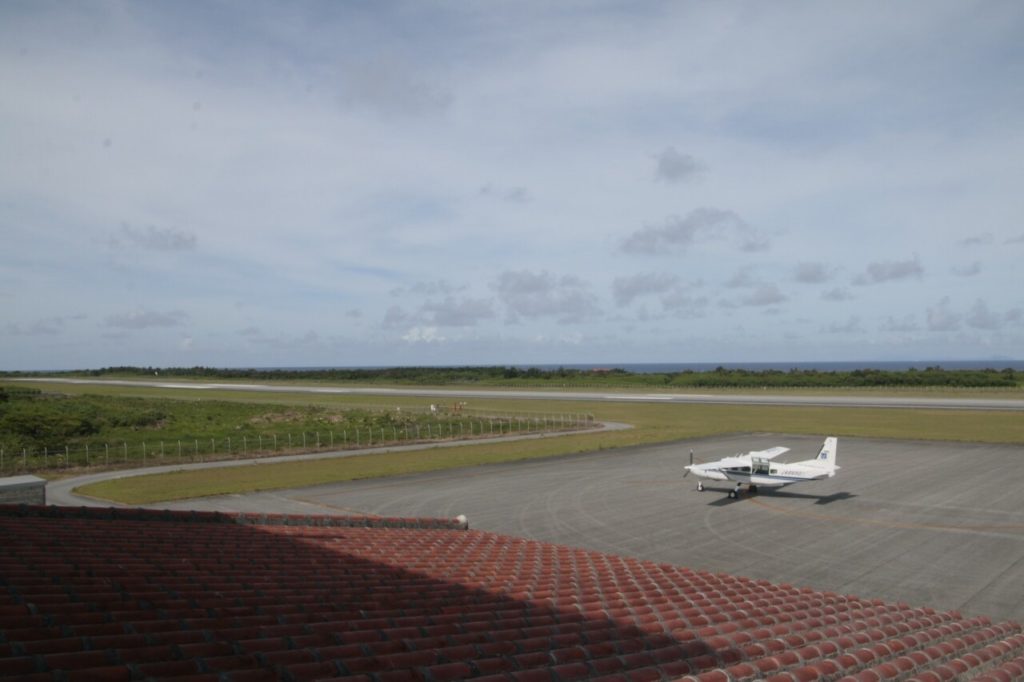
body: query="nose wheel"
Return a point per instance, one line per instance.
(700, 486)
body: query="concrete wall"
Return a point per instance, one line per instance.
(22, 490)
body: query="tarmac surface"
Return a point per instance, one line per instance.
(926, 523)
(727, 398)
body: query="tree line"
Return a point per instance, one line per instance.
(497, 375)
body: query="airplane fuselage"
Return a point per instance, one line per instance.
(758, 469)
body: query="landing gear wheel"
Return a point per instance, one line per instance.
(732, 494)
(700, 486)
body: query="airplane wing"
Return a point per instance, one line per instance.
(770, 452)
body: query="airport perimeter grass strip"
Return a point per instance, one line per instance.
(655, 423)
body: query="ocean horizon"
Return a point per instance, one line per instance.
(673, 367)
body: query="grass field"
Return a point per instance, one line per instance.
(47, 431)
(652, 423)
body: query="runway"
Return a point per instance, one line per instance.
(929, 524)
(907, 402)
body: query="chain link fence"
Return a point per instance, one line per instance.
(446, 424)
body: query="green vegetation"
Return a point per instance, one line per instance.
(41, 431)
(721, 377)
(653, 423)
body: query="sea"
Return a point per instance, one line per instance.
(820, 366)
(672, 367)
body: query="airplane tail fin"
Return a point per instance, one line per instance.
(827, 455)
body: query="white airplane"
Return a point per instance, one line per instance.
(758, 468)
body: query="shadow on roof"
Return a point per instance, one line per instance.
(140, 594)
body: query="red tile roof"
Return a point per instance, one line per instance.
(90, 594)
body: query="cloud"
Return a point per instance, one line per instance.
(741, 280)
(681, 302)
(701, 225)
(760, 293)
(395, 317)
(851, 326)
(146, 320)
(889, 271)
(811, 273)
(941, 319)
(438, 287)
(764, 295)
(448, 312)
(971, 270)
(452, 312)
(46, 326)
(154, 238)
(626, 289)
(905, 324)
(977, 240)
(513, 195)
(394, 88)
(423, 335)
(837, 294)
(674, 167)
(980, 317)
(536, 295)
(330, 154)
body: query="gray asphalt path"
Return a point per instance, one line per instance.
(605, 396)
(929, 524)
(62, 491)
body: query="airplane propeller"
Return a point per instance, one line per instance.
(691, 464)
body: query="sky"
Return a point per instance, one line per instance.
(245, 183)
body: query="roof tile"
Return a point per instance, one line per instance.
(137, 593)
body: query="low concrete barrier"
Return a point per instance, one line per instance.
(22, 490)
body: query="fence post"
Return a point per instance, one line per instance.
(107, 446)
(143, 453)
(125, 451)
(87, 462)
(179, 449)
